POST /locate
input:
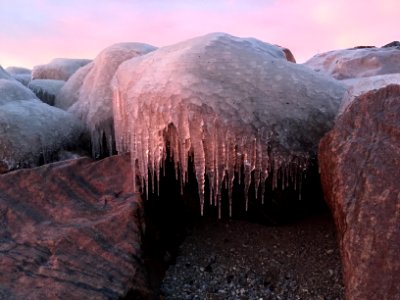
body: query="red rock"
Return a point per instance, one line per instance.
(71, 230)
(359, 161)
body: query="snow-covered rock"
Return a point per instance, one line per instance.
(58, 68)
(357, 62)
(230, 102)
(94, 104)
(46, 89)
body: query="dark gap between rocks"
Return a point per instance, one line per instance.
(284, 249)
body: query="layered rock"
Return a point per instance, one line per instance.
(359, 162)
(357, 62)
(46, 89)
(58, 68)
(71, 230)
(228, 102)
(94, 95)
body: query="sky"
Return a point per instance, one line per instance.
(33, 32)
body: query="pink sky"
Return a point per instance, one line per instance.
(36, 31)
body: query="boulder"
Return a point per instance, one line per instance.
(46, 89)
(357, 62)
(23, 75)
(58, 68)
(11, 90)
(69, 93)
(359, 163)
(71, 230)
(229, 102)
(94, 103)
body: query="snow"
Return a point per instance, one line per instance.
(356, 62)
(227, 102)
(94, 104)
(58, 68)
(46, 89)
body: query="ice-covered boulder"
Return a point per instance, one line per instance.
(69, 93)
(32, 133)
(58, 68)
(11, 90)
(357, 62)
(359, 86)
(21, 74)
(94, 94)
(46, 89)
(230, 102)
(4, 74)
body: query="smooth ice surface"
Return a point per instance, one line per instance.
(94, 104)
(11, 90)
(31, 130)
(18, 71)
(357, 62)
(359, 86)
(58, 68)
(69, 93)
(46, 89)
(229, 102)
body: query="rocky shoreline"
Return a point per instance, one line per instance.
(233, 259)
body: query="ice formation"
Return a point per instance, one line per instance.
(46, 89)
(94, 104)
(231, 103)
(11, 90)
(32, 132)
(357, 62)
(359, 86)
(69, 93)
(23, 75)
(4, 74)
(58, 68)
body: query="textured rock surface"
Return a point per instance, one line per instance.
(71, 230)
(359, 161)
(357, 62)
(94, 105)
(58, 68)
(46, 89)
(69, 93)
(230, 101)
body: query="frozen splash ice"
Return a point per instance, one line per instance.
(236, 106)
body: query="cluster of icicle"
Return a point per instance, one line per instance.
(219, 152)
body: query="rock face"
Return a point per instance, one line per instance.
(359, 162)
(357, 62)
(32, 132)
(46, 89)
(94, 104)
(71, 230)
(228, 101)
(58, 68)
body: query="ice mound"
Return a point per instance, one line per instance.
(58, 68)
